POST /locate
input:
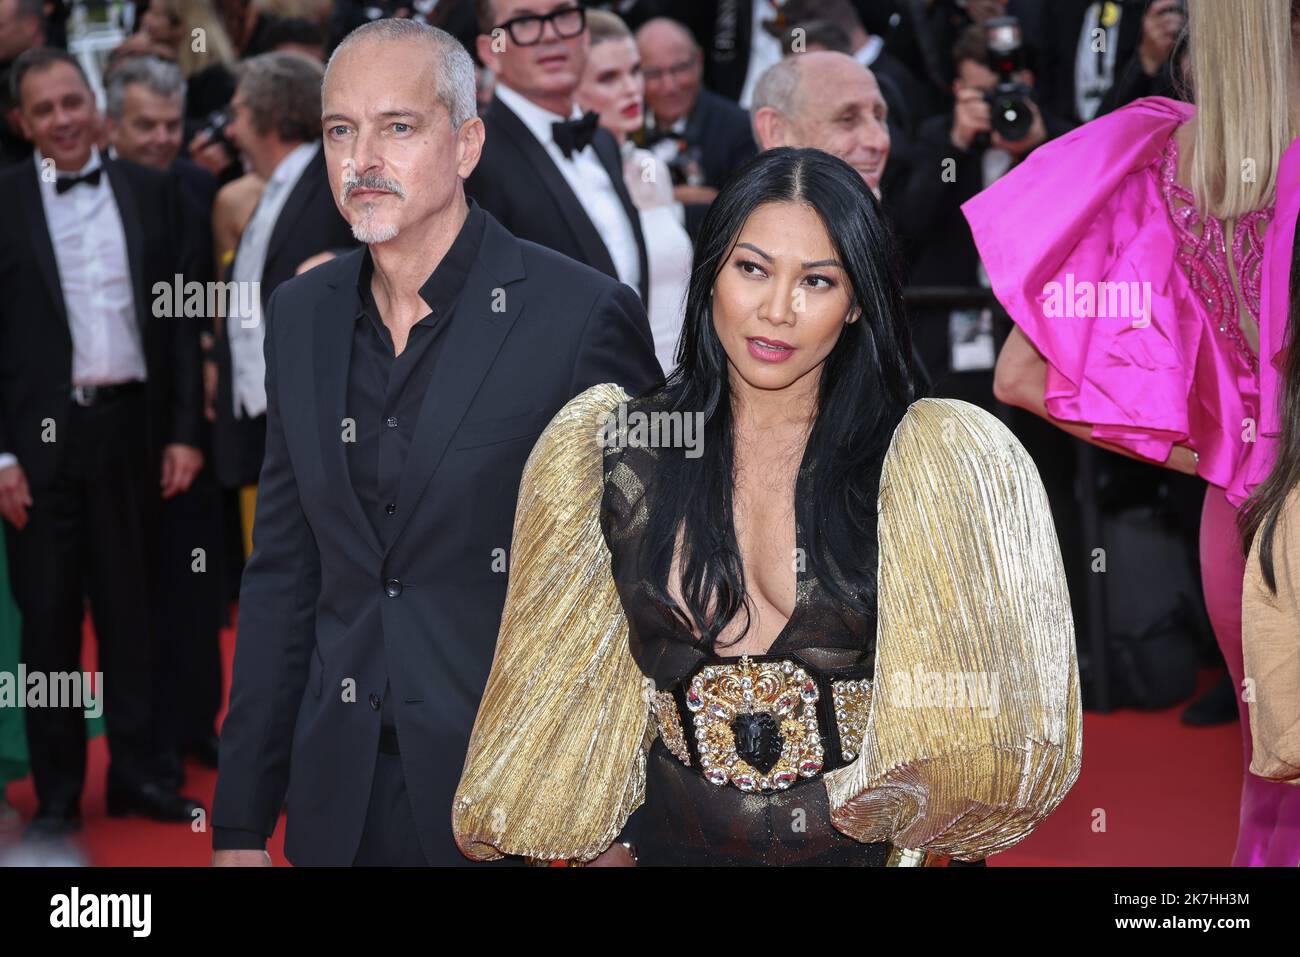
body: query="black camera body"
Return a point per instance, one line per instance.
(1009, 100)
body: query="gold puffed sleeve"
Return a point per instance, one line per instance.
(974, 734)
(556, 760)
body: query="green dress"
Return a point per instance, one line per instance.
(13, 740)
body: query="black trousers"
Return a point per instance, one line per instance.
(389, 838)
(191, 590)
(89, 537)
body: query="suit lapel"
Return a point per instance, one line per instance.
(129, 213)
(607, 151)
(585, 234)
(39, 231)
(331, 332)
(474, 337)
(303, 191)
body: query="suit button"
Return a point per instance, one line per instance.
(375, 702)
(391, 421)
(392, 588)
(390, 508)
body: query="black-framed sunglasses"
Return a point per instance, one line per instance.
(526, 31)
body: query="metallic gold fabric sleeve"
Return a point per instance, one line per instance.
(975, 729)
(556, 760)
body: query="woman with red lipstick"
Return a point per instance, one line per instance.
(612, 87)
(778, 609)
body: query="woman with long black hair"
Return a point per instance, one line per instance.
(790, 614)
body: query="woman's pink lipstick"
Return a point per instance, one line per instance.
(769, 350)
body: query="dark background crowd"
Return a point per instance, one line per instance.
(208, 113)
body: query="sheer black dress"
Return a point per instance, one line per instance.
(687, 820)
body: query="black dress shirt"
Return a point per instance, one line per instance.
(385, 392)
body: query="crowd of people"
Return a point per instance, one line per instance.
(142, 442)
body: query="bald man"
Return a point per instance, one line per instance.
(687, 122)
(828, 101)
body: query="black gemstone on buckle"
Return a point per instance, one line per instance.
(758, 740)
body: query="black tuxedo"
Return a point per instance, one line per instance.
(327, 606)
(309, 223)
(724, 135)
(517, 182)
(91, 530)
(35, 341)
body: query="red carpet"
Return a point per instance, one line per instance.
(1152, 792)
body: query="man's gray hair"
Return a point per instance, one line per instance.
(160, 76)
(778, 88)
(456, 86)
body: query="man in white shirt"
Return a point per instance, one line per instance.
(549, 174)
(275, 125)
(99, 414)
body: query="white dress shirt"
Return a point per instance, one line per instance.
(589, 182)
(89, 243)
(764, 49)
(95, 276)
(245, 333)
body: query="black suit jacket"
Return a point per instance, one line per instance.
(309, 223)
(531, 330)
(36, 339)
(517, 182)
(724, 135)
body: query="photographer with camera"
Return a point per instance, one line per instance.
(993, 126)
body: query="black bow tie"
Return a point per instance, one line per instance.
(575, 135)
(65, 183)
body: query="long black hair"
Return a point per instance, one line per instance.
(1260, 514)
(866, 384)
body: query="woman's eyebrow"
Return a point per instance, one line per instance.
(815, 264)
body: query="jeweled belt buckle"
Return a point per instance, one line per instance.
(756, 724)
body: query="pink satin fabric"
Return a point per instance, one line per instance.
(1090, 206)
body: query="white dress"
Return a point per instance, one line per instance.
(668, 247)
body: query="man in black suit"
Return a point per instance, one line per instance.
(406, 384)
(548, 173)
(276, 127)
(99, 395)
(702, 135)
(145, 121)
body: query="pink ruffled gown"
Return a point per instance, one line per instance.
(1100, 206)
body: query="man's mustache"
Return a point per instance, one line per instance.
(353, 183)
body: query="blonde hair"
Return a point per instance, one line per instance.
(1241, 62)
(603, 25)
(194, 15)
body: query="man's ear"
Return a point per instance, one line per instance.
(16, 118)
(486, 54)
(770, 128)
(469, 146)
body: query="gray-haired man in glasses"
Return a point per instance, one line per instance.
(548, 173)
